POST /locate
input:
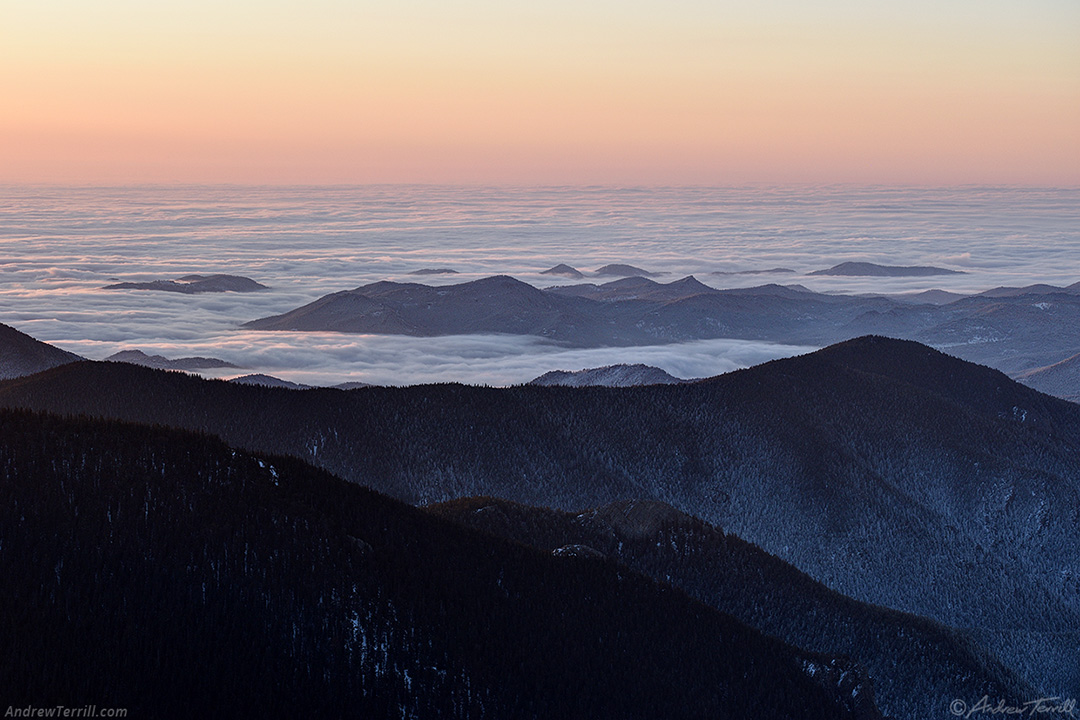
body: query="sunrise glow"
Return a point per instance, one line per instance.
(559, 92)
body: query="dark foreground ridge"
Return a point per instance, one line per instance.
(165, 573)
(918, 666)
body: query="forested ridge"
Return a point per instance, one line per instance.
(918, 666)
(167, 573)
(890, 472)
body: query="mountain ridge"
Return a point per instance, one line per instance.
(621, 375)
(141, 562)
(138, 357)
(869, 269)
(194, 284)
(918, 666)
(1010, 328)
(898, 470)
(22, 355)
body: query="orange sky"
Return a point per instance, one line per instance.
(638, 92)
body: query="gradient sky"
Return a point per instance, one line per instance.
(592, 91)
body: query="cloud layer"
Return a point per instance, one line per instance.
(59, 246)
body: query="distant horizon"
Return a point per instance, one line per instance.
(794, 184)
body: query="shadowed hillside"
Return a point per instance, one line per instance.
(168, 574)
(918, 666)
(21, 354)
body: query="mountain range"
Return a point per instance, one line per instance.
(1016, 330)
(138, 357)
(630, 311)
(885, 470)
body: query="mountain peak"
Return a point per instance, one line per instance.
(564, 270)
(609, 376)
(624, 271)
(882, 355)
(502, 281)
(918, 366)
(691, 282)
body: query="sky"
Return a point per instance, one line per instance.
(715, 92)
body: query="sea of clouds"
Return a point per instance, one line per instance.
(59, 246)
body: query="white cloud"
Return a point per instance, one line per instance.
(59, 246)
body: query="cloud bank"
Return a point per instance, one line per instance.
(59, 246)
